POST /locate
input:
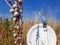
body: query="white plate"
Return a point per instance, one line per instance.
(45, 37)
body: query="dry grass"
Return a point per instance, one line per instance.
(26, 26)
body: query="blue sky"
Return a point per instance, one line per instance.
(31, 6)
